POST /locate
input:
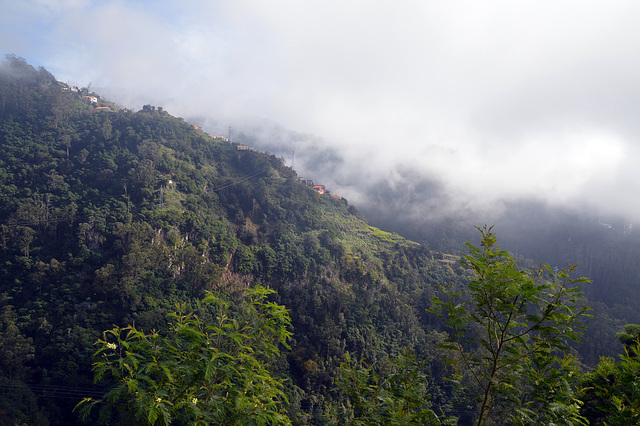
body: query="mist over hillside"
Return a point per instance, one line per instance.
(438, 203)
(112, 216)
(413, 200)
(421, 206)
(487, 105)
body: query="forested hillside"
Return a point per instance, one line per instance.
(115, 218)
(111, 217)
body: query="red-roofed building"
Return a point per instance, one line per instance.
(319, 189)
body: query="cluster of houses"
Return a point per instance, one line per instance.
(90, 98)
(218, 138)
(94, 100)
(73, 89)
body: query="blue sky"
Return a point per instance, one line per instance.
(498, 99)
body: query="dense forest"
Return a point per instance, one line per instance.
(151, 273)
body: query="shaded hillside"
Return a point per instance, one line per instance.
(109, 216)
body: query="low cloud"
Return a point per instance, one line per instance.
(453, 106)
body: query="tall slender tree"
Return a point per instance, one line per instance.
(509, 336)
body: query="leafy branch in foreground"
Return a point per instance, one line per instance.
(196, 372)
(509, 337)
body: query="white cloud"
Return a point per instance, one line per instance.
(529, 97)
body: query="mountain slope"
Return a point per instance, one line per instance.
(109, 216)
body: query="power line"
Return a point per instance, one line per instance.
(56, 391)
(239, 180)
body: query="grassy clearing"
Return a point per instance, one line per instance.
(358, 236)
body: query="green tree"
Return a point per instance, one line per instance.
(509, 335)
(611, 391)
(630, 336)
(15, 349)
(397, 396)
(196, 372)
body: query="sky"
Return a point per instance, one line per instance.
(494, 100)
